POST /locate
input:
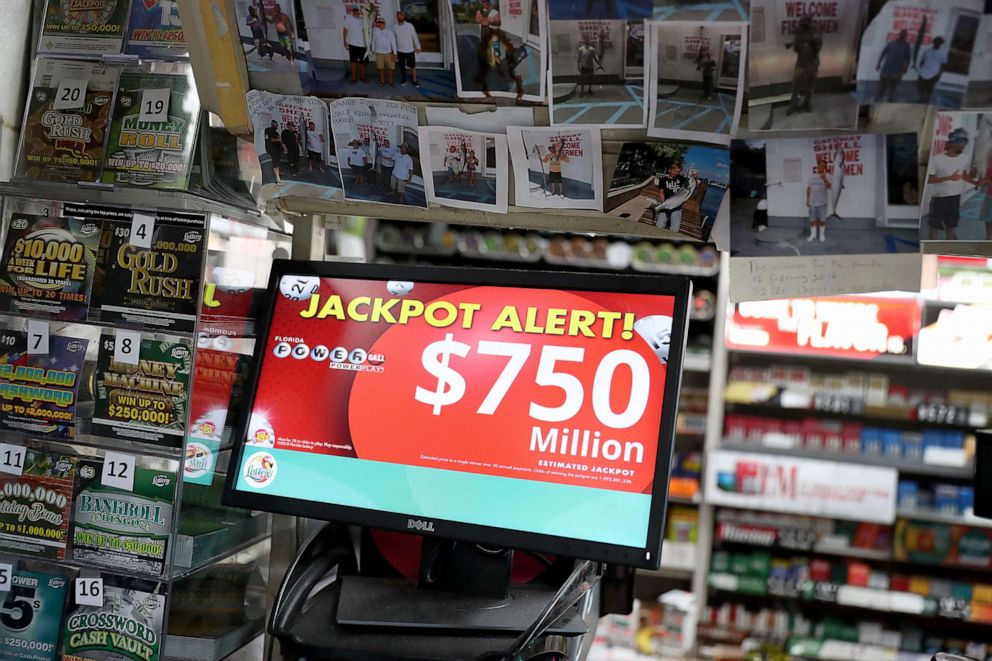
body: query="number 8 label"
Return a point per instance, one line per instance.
(127, 347)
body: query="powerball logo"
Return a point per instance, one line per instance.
(260, 470)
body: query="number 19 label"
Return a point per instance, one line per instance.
(155, 105)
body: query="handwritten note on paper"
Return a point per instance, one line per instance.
(763, 278)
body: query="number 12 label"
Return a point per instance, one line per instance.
(118, 471)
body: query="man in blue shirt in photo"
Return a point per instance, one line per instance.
(893, 64)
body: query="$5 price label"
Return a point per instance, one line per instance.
(450, 387)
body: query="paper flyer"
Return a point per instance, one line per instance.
(957, 198)
(293, 140)
(468, 170)
(378, 151)
(500, 49)
(128, 627)
(484, 118)
(557, 167)
(215, 374)
(127, 530)
(66, 145)
(919, 51)
(32, 634)
(48, 265)
(93, 27)
(676, 186)
(154, 30)
(821, 196)
(35, 507)
(147, 402)
(153, 154)
(597, 69)
(801, 64)
(157, 288)
(695, 83)
(274, 52)
(38, 392)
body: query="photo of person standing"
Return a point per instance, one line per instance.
(357, 162)
(893, 64)
(407, 46)
(930, 66)
(384, 49)
(291, 143)
(256, 24)
(284, 31)
(946, 176)
(315, 148)
(708, 66)
(554, 158)
(354, 41)
(816, 200)
(806, 43)
(453, 164)
(588, 59)
(472, 164)
(402, 173)
(674, 188)
(274, 148)
(386, 155)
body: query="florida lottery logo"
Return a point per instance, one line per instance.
(260, 470)
(199, 459)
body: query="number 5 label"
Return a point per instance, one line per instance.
(155, 105)
(89, 592)
(118, 471)
(6, 577)
(12, 458)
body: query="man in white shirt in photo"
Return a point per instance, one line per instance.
(384, 49)
(315, 148)
(357, 162)
(387, 159)
(402, 173)
(488, 16)
(946, 178)
(931, 65)
(407, 46)
(354, 42)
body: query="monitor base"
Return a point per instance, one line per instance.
(395, 602)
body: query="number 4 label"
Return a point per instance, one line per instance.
(155, 105)
(142, 228)
(118, 471)
(71, 94)
(12, 458)
(89, 592)
(127, 347)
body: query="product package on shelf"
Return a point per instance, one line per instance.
(40, 390)
(32, 608)
(154, 30)
(156, 287)
(66, 123)
(127, 627)
(146, 401)
(72, 27)
(121, 529)
(35, 506)
(48, 265)
(153, 131)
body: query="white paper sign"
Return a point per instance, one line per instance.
(6, 577)
(38, 337)
(118, 471)
(71, 94)
(12, 458)
(89, 592)
(155, 105)
(127, 346)
(142, 228)
(812, 487)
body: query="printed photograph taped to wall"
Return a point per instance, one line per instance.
(816, 196)
(801, 60)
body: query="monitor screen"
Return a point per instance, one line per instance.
(533, 410)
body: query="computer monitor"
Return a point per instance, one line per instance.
(523, 409)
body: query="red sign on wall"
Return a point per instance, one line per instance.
(851, 326)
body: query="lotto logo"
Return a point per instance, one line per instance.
(337, 357)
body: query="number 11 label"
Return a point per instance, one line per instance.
(12, 458)
(155, 105)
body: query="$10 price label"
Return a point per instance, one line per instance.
(551, 373)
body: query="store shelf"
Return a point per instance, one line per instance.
(881, 361)
(194, 552)
(859, 412)
(678, 560)
(901, 465)
(677, 500)
(941, 517)
(840, 650)
(697, 362)
(212, 648)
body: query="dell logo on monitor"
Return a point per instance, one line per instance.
(417, 524)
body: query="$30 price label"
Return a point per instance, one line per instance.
(552, 372)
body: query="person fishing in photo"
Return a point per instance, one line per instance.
(930, 67)
(816, 201)
(806, 43)
(588, 59)
(674, 189)
(893, 63)
(554, 158)
(498, 55)
(946, 177)
(708, 66)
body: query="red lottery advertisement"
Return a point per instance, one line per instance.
(852, 326)
(553, 386)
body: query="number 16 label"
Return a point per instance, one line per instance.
(89, 592)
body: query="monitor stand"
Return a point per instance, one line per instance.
(462, 587)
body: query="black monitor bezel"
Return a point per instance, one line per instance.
(649, 557)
